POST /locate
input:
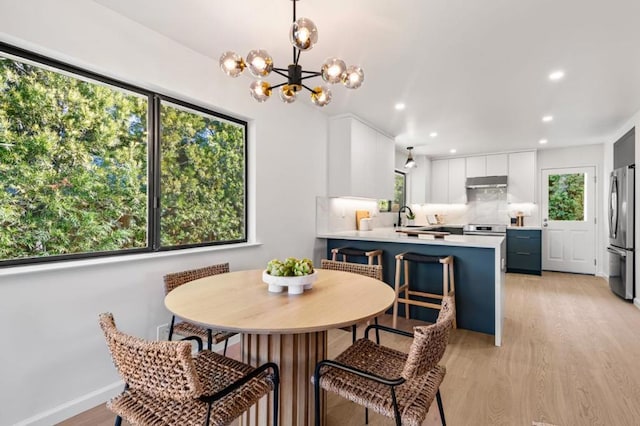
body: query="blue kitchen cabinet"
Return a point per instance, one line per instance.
(524, 251)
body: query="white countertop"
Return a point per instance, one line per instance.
(391, 236)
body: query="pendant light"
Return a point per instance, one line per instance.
(410, 163)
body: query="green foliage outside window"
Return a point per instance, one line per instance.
(203, 182)
(73, 165)
(399, 193)
(74, 175)
(566, 197)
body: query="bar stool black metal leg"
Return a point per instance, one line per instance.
(353, 333)
(226, 343)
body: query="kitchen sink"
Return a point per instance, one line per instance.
(455, 230)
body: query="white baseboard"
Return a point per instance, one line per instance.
(90, 400)
(636, 302)
(73, 407)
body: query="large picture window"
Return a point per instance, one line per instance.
(203, 178)
(77, 174)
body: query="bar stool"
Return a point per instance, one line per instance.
(348, 251)
(448, 283)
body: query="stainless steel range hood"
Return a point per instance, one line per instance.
(486, 182)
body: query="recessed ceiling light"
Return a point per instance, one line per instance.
(433, 134)
(453, 151)
(547, 118)
(556, 75)
(400, 106)
(542, 141)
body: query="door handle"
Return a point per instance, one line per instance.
(620, 253)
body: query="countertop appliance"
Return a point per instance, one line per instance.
(621, 231)
(485, 229)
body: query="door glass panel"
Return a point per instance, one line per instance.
(567, 197)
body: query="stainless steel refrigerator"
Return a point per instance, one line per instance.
(621, 232)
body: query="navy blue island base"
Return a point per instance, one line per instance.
(475, 279)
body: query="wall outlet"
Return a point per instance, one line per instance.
(162, 332)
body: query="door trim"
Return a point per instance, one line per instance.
(592, 169)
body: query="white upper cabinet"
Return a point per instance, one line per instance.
(384, 173)
(476, 166)
(440, 181)
(497, 165)
(448, 181)
(457, 190)
(487, 165)
(419, 178)
(360, 160)
(522, 177)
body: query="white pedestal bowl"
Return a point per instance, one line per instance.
(294, 285)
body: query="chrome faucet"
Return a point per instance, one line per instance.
(400, 210)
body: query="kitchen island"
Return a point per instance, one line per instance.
(479, 268)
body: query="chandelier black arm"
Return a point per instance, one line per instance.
(315, 73)
(310, 76)
(279, 85)
(279, 71)
(297, 58)
(311, 90)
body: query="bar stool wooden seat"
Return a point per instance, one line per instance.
(448, 283)
(348, 251)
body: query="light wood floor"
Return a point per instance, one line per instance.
(571, 356)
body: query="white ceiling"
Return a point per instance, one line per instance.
(473, 71)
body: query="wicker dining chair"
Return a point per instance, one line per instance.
(372, 271)
(166, 385)
(392, 383)
(186, 328)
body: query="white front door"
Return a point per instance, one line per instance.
(568, 220)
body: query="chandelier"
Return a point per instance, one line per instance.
(303, 35)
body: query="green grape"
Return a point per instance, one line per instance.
(290, 267)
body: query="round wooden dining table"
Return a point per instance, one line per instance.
(290, 330)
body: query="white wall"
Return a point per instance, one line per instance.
(582, 156)
(53, 360)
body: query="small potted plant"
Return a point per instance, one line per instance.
(410, 218)
(295, 274)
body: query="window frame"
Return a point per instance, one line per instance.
(154, 195)
(396, 173)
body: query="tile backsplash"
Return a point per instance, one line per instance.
(488, 205)
(483, 206)
(339, 214)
